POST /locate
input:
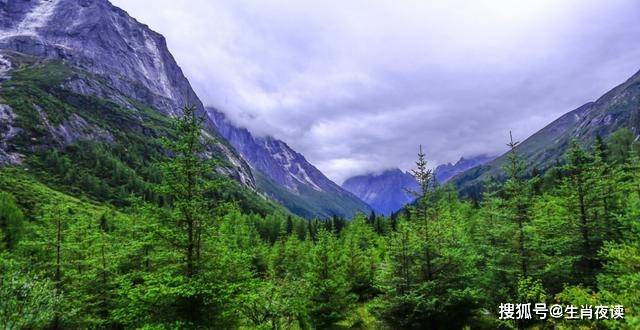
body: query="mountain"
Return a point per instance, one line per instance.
(287, 176)
(386, 192)
(84, 70)
(446, 171)
(618, 108)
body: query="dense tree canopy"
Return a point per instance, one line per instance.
(102, 243)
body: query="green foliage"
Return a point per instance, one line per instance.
(431, 279)
(11, 221)
(140, 232)
(620, 145)
(330, 296)
(360, 244)
(26, 301)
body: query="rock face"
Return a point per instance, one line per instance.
(7, 132)
(446, 171)
(616, 109)
(386, 192)
(287, 176)
(126, 61)
(102, 39)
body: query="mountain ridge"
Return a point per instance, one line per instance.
(615, 109)
(445, 172)
(126, 63)
(306, 190)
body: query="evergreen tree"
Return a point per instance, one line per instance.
(578, 194)
(359, 245)
(330, 296)
(518, 193)
(27, 301)
(620, 146)
(11, 221)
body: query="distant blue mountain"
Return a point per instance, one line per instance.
(386, 192)
(448, 171)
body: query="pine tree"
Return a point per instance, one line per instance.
(423, 214)
(11, 221)
(330, 296)
(398, 276)
(185, 177)
(620, 146)
(27, 301)
(518, 193)
(422, 174)
(359, 245)
(577, 192)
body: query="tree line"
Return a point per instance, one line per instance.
(172, 252)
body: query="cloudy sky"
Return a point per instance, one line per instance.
(356, 85)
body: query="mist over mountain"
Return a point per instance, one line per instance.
(390, 190)
(616, 109)
(125, 203)
(285, 175)
(386, 192)
(112, 57)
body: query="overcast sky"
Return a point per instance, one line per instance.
(356, 85)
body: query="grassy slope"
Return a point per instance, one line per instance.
(32, 195)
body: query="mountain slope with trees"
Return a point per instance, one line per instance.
(616, 109)
(106, 55)
(115, 214)
(444, 173)
(286, 176)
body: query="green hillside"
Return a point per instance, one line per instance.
(115, 216)
(307, 202)
(619, 108)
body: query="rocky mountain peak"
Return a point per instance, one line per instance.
(125, 60)
(102, 39)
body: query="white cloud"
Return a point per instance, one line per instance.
(356, 85)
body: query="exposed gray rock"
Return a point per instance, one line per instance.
(102, 39)
(618, 108)
(99, 38)
(273, 157)
(289, 170)
(89, 87)
(7, 132)
(73, 130)
(447, 171)
(5, 67)
(389, 191)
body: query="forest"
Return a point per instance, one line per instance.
(104, 237)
